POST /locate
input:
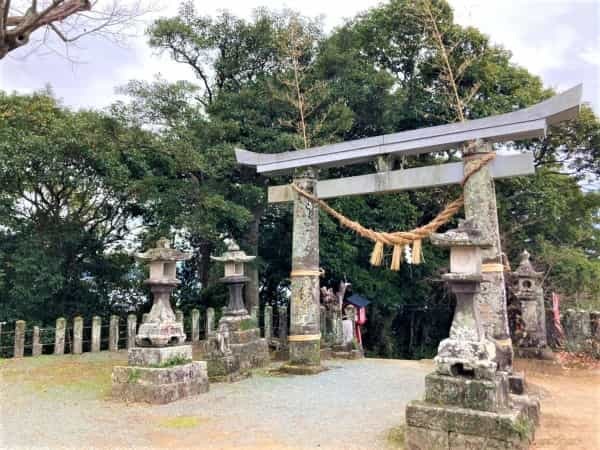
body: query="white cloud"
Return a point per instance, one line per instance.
(555, 39)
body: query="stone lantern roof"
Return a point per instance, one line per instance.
(233, 254)
(163, 252)
(467, 234)
(525, 269)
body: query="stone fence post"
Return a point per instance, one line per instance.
(210, 322)
(131, 330)
(268, 322)
(179, 316)
(283, 325)
(19, 350)
(254, 313)
(59, 336)
(78, 335)
(36, 349)
(113, 334)
(96, 333)
(195, 325)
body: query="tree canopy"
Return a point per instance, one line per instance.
(75, 183)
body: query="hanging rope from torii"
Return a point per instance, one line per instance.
(398, 239)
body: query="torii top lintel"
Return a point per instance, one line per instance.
(526, 123)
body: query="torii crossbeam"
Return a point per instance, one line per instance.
(479, 203)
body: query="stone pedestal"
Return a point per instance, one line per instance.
(159, 375)
(235, 349)
(467, 413)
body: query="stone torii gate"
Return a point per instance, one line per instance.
(479, 202)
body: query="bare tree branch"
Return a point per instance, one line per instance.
(69, 20)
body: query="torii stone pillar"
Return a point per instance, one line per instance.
(304, 338)
(481, 209)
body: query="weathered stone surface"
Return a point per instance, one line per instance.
(526, 286)
(283, 325)
(512, 426)
(480, 206)
(459, 441)
(159, 385)
(155, 356)
(113, 334)
(576, 324)
(96, 333)
(59, 336)
(19, 348)
(77, 335)
(195, 325)
(305, 352)
(529, 405)
(131, 330)
(305, 298)
(268, 322)
(161, 327)
(417, 438)
(595, 325)
(36, 349)
(210, 322)
(484, 395)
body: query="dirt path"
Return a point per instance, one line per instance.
(570, 400)
(64, 402)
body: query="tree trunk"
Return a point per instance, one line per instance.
(205, 248)
(252, 238)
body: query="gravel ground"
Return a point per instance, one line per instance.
(58, 402)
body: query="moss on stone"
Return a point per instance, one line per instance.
(175, 361)
(248, 324)
(523, 426)
(181, 422)
(133, 376)
(396, 437)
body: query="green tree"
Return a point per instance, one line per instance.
(66, 207)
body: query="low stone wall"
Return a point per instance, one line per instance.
(581, 331)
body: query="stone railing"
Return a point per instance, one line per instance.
(80, 335)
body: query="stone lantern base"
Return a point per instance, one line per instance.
(462, 412)
(235, 349)
(159, 375)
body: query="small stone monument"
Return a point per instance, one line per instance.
(238, 346)
(467, 402)
(160, 367)
(526, 286)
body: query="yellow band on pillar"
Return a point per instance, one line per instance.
(306, 273)
(492, 267)
(505, 342)
(304, 337)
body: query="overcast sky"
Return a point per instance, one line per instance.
(556, 39)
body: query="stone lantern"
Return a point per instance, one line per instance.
(237, 345)
(161, 328)
(526, 286)
(467, 350)
(160, 368)
(234, 260)
(467, 397)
